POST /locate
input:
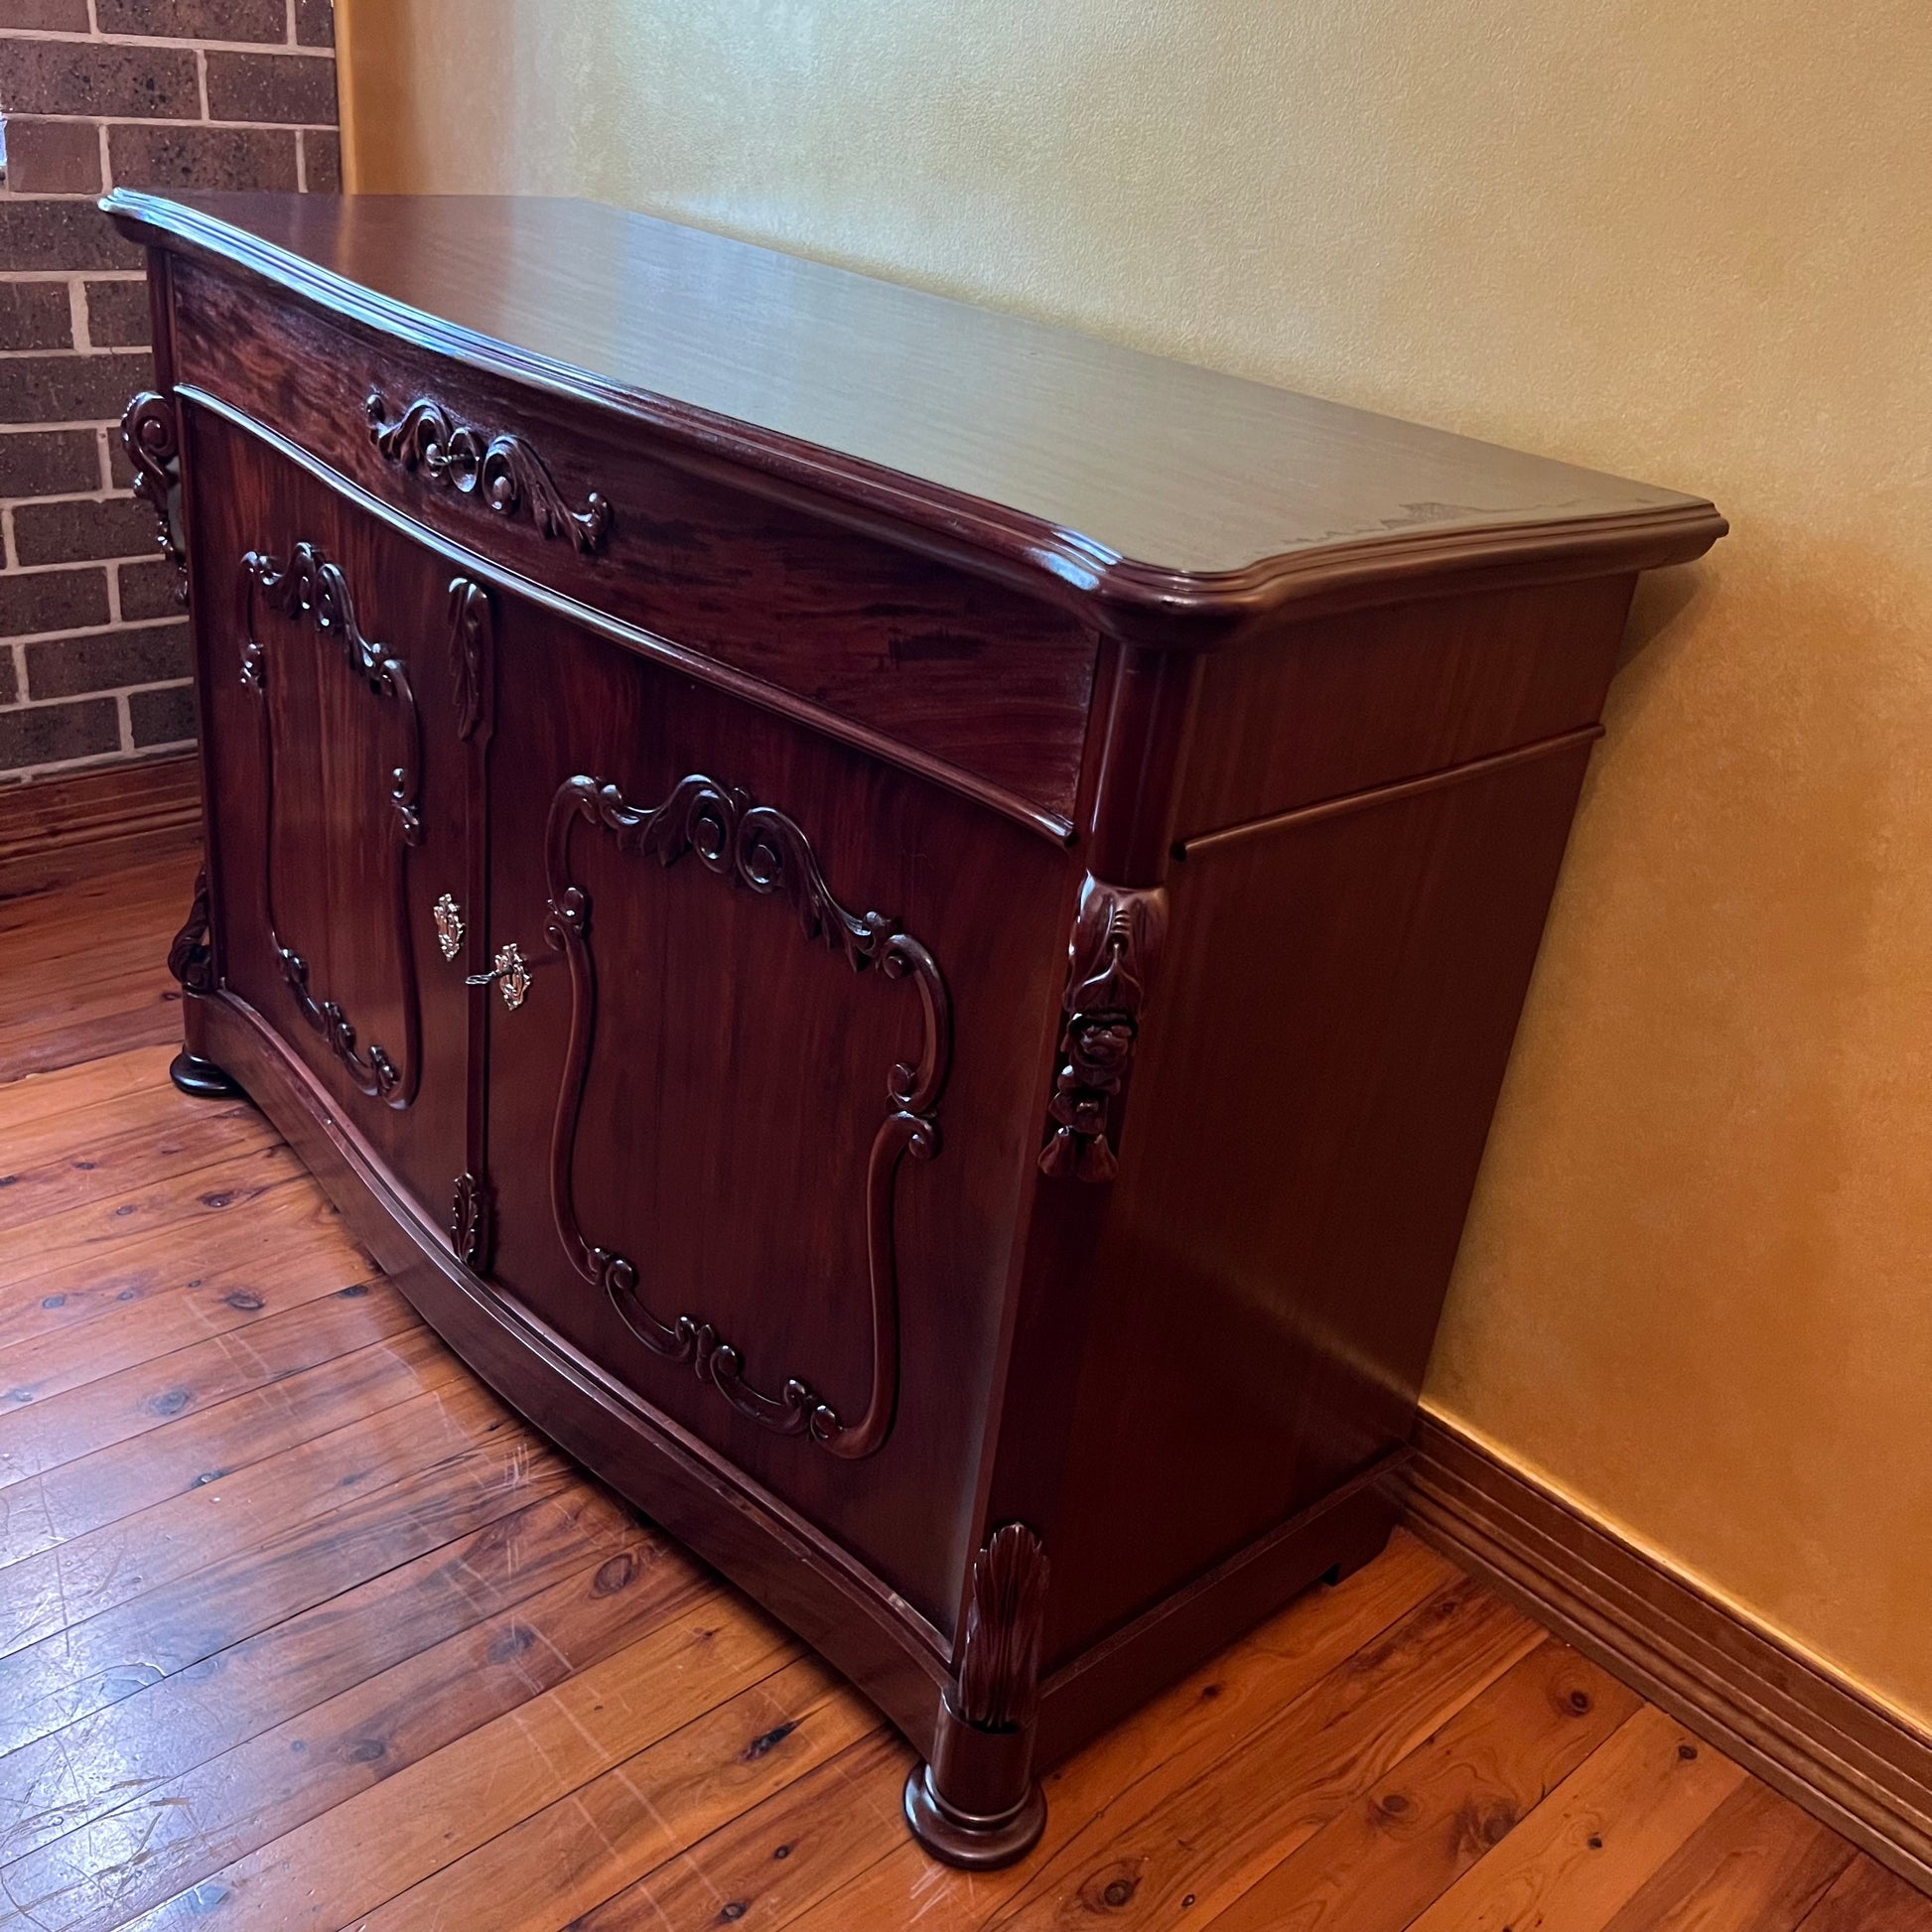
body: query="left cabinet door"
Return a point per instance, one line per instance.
(346, 711)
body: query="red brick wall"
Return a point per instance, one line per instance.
(145, 93)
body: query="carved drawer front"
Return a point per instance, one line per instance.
(955, 669)
(781, 1013)
(334, 715)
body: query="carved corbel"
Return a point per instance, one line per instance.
(1117, 935)
(153, 445)
(190, 959)
(977, 1804)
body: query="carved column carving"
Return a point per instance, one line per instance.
(472, 636)
(1117, 936)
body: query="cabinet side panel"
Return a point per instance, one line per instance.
(1314, 1082)
(1348, 702)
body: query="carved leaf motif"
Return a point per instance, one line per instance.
(471, 1219)
(310, 585)
(468, 631)
(998, 1666)
(503, 470)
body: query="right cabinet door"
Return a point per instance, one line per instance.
(763, 1078)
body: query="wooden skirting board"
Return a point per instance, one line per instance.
(58, 829)
(1816, 1738)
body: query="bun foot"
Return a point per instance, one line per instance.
(960, 1838)
(202, 1078)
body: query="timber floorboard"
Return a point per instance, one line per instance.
(301, 1628)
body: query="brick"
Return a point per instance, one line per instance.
(53, 156)
(35, 314)
(49, 463)
(49, 734)
(121, 471)
(67, 532)
(72, 668)
(146, 156)
(117, 314)
(322, 154)
(107, 81)
(148, 591)
(52, 600)
(163, 717)
(314, 23)
(9, 684)
(59, 235)
(52, 16)
(70, 388)
(195, 20)
(271, 87)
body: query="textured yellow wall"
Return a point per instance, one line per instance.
(1686, 240)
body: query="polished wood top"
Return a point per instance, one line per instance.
(1150, 480)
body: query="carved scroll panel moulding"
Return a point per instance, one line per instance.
(310, 588)
(759, 848)
(152, 443)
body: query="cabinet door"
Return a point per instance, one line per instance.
(333, 710)
(764, 1108)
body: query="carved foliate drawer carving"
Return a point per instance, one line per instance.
(502, 472)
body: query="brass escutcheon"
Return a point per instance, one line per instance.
(449, 925)
(510, 974)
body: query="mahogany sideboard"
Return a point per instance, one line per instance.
(903, 924)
